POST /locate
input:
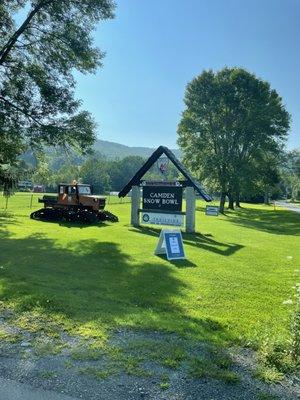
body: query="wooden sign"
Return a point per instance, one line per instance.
(165, 198)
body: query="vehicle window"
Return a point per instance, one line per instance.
(84, 190)
(72, 189)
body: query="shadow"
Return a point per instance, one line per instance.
(178, 263)
(205, 242)
(93, 283)
(198, 240)
(278, 222)
(80, 225)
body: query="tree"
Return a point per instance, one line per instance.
(95, 172)
(291, 174)
(262, 178)
(121, 171)
(37, 61)
(230, 117)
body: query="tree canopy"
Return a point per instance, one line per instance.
(290, 174)
(232, 124)
(37, 59)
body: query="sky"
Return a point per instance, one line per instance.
(154, 48)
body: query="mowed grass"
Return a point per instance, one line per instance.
(239, 270)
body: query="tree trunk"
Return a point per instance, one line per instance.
(237, 200)
(266, 198)
(222, 202)
(230, 201)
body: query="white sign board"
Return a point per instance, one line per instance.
(162, 219)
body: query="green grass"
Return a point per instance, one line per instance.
(240, 268)
(9, 337)
(266, 396)
(47, 374)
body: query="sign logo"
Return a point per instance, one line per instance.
(146, 218)
(162, 165)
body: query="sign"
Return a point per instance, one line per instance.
(212, 210)
(162, 218)
(170, 243)
(167, 198)
(160, 183)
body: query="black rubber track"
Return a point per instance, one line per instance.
(85, 216)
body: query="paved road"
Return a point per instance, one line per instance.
(12, 390)
(289, 206)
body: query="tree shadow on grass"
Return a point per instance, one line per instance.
(205, 242)
(282, 222)
(93, 282)
(198, 240)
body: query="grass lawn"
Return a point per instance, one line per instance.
(240, 269)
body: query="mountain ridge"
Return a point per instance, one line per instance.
(114, 150)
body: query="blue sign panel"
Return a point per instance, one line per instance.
(174, 245)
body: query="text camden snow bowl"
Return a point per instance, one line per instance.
(163, 198)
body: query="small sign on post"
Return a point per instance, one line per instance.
(170, 243)
(212, 210)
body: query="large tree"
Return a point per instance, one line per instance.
(42, 42)
(230, 117)
(291, 174)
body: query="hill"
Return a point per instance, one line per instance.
(110, 150)
(116, 150)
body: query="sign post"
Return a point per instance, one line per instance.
(190, 209)
(135, 204)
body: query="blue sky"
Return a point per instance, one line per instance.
(154, 48)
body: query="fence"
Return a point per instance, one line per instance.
(25, 200)
(114, 199)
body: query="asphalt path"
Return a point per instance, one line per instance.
(12, 390)
(289, 206)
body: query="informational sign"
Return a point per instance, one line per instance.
(160, 183)
(212, 210)
(166, 198)
(157, 218)
(170, 243)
